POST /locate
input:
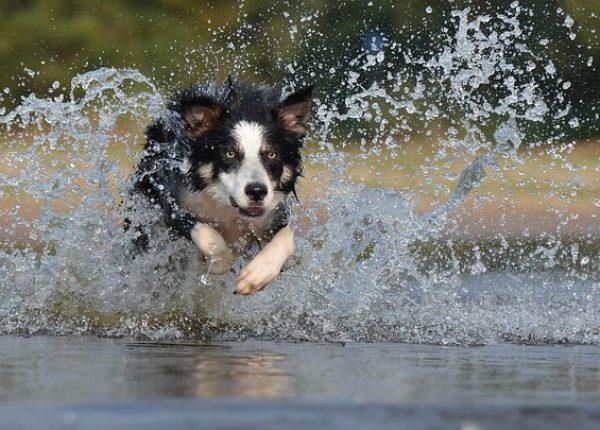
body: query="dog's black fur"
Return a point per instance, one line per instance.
(184, 153)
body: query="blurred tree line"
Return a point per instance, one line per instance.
(179, 42)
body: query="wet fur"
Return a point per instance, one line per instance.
(220, 165)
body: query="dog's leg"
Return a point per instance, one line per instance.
(267, 264)
(210, 242)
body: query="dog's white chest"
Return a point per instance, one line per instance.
(237, 231)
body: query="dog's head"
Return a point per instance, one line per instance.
(245, 143)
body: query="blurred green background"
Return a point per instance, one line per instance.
(179, 42)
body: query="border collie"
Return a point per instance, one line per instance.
(220, 165)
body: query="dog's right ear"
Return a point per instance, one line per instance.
(199, 110)
(200, 116)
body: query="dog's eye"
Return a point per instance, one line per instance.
(230, 154)
(271, 155)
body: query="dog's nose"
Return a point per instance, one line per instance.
(256, 191)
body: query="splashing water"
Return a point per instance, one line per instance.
(368, 266)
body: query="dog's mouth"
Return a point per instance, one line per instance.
(250, 211)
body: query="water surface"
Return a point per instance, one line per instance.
(75, 369)
(89, 382)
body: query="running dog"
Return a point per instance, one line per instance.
(220, 165)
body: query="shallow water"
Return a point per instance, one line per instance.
(83, 369)
(60, 381)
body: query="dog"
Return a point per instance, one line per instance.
(221, 164)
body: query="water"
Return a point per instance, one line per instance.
(96, 383)
(447, 254)
(89, 369)
(372, 265)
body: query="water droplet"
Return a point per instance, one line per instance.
(569, 22)
(29, 72)
(585, 260)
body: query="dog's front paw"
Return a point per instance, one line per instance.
(213, 247)
(256, 275)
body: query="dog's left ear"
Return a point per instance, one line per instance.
(293, 112)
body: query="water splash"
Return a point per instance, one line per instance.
(369, 266)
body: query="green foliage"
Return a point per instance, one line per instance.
(179, 42)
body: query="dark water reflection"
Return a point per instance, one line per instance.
(89, 369)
